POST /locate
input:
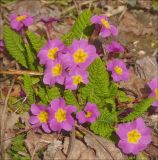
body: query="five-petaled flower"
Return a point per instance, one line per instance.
(153, 84)
(61, 115)
(39, 117)
(106, 28)
(18, 22)
(76, 77)
(54, 73)
(90, 113)
(118, 69)
(51, 51)
(114, 47)
(81, 54)
(134, 136)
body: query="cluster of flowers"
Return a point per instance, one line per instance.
(58, 115)
(116, 66)
(67, 66)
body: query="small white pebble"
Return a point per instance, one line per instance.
(141, 53)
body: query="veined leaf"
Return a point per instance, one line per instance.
(70, 98)
(28, 88)
(139, 109)
(53, 93)
(98, 82)
(30, 57)
(81, 29)
(37, 42)
(13, 43)
(104, 126)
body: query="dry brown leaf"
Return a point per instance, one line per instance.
(134, 83)
(11, 120)
(59, 155)
(149, 66)
(104, 148)
(77, 149)
(88, 154)
(52, 150)
(25, 119)
(31, 141)
(129, 23)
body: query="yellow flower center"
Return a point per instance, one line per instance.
(57, 70)
(156, 92)
(133, 136)
(60, 115)
(80, 56)
(88, 114)
(77, 79)
(118, 70)
(52, 53)
(20, 18)
(43, 117)
(105, 23)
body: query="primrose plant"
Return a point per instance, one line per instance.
(77, 86)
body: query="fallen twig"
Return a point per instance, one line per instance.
(3, 118)
(71, 143)
(93, 135)
(21, 72)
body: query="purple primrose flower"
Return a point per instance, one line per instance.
(106, 28)
(54, 73)
(75, 77)
(81, 54)
(153, 84)
(90, 114)
(51, 51)
(61, 115)
(18, 22)
(39, 117)
(114, 47)
(134, 136)
(118, 69)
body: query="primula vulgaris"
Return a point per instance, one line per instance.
(76, 77)
(106, 28)
(114, 47)
(81, 54)
(54, 73)
(61, 115)
(18, 22)
(153, 84)
(39, 117)
(51, 51)
(90, 113)
(118, 69)
(134, 136)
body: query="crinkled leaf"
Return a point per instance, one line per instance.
(139, 109)
(13, 43)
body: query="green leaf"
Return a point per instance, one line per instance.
(37, 42)
(17, 145)
(53, 93)
(70, 98)
(139, 109)
(31, 58)
(122, 97)
(42, 94)
(28, 88)
(98, 85)
(13, 43)
(104, 126)
(81, 29)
